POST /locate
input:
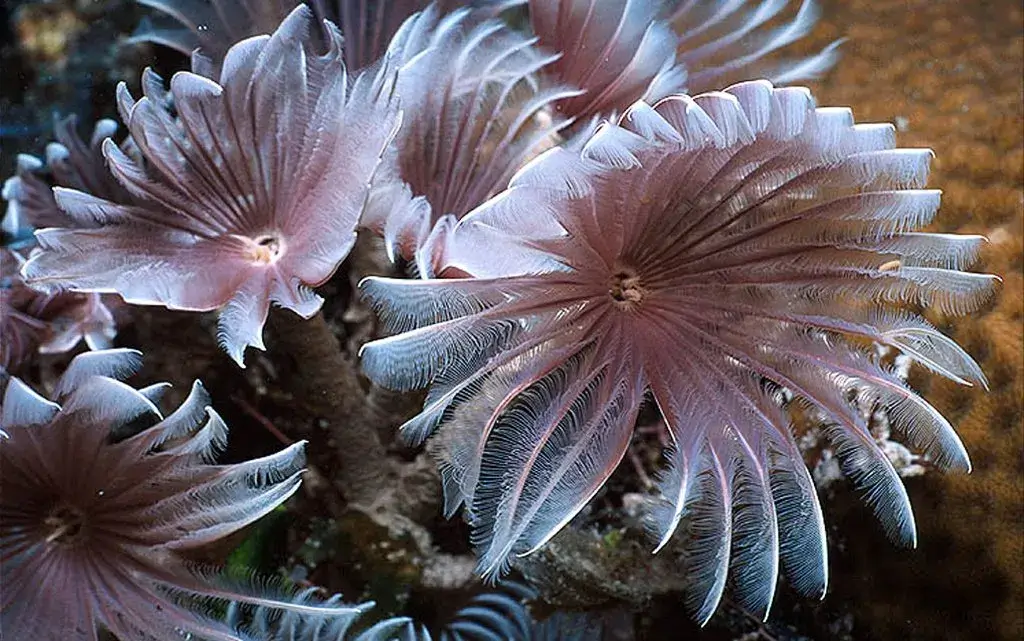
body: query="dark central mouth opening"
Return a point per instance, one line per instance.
(270, 243)
(268, 248)
(64, 524)
(626, 288)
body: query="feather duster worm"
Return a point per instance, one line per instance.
(251, 195)
(70, 162)
(270, 624)
(21, 332)
(101, 497)
(727, 41)
(616, 51)
(32, 321)
(53, 322)
(369, 26)
(621, 51)
(213, 26)
(474, 112)
(496, 615)
(704, 252)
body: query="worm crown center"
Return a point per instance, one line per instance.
(626, 288)
(64, 524)
(266, 248)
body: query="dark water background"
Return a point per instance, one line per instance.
(949, 74)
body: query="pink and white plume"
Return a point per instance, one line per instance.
(211, 26)
(704, 253)
(214, 25)
(103, 497)
(616, 52)
(725, 41)
(53, 322)
(70, 162)
(475, 110)
(34, 322)
(621, 51)
(248, 196)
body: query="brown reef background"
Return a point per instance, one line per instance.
(947, 72)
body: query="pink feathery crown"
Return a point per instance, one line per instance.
(709, 252)
(603, 207)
